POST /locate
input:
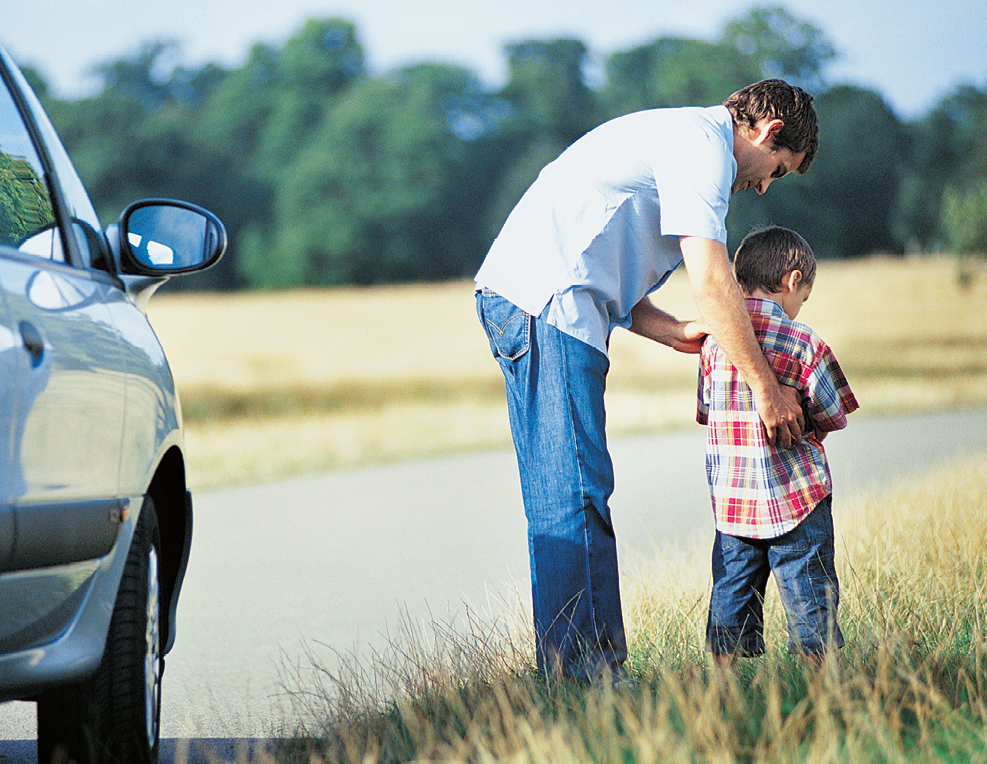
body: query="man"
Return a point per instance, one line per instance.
(601, 228)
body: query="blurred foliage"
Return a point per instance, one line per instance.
(328, 174)
(964, 218)
(25, 207)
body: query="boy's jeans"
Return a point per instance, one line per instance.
(555, 385)
(802, 562)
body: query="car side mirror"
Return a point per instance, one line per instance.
(164, 237)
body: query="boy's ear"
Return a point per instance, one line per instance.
(792, 280)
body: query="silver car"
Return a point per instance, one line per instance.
(95, 515)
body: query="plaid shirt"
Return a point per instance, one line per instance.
(759, 491)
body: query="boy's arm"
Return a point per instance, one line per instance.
(828, 394)
(722, 308)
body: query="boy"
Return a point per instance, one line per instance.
(772, 507)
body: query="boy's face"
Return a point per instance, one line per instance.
(793, 299)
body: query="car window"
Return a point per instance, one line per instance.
(27, 217)
(87, 231)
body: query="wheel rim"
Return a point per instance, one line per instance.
(152, 655)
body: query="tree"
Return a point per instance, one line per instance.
(946, 154)
(326, 174)
(381, 191)
(843, 204)
(963, 218)
(144, 77)
(546, 106)
(781, 46)
(262, 113)
(234, 117)
(322, 59)
(547, 90)
(314, 68)
(671, 72)
(38, 83)
(857, 172)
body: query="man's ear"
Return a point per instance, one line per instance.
(768, 129)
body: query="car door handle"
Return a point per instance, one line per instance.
(34, 343)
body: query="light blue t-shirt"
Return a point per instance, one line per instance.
(598, 230)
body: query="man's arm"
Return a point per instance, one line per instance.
(657, 325)
(722, 308)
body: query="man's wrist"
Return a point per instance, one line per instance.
(764, 385)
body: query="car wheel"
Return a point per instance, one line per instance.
(115, 716)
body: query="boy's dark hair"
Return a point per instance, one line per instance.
(776, 99)
(766, 255)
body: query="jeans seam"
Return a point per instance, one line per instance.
(580, 470)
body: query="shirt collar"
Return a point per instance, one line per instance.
(767, 307)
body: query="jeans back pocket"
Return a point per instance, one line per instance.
(508, 328)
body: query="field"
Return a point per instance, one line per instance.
(279, 384)
(910, 685)
(283, 383)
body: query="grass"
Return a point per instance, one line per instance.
(909, 686)
(279, 384)
(276, 384)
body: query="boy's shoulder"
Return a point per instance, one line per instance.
(768, 317)
(776, 333)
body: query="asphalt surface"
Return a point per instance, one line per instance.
(295, 574)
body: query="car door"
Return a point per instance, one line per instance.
(66, 389)
(9, 374)
(72, 399)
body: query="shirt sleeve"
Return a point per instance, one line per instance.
(828, 393)
(703, 391)
(693, 175)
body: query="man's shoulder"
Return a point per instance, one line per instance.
(711, 120)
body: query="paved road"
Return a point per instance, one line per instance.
(332, 563)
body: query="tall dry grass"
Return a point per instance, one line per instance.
(275, 384)
(909, 686)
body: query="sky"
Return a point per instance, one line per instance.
(912, 52)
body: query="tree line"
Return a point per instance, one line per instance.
(327, 174)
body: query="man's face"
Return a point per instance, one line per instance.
(759, 164)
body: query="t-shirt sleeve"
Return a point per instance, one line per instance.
(693, 175)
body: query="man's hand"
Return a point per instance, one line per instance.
(782, 415)
(657, 325)
(689, 336)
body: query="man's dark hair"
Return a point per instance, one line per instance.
(767, 254)
(776, 99)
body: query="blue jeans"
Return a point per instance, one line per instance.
(802, 562)
(555, 385)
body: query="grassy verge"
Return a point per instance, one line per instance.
(909, 686)
(283, 384)
(275, 384)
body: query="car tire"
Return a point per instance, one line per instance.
(115, 715)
